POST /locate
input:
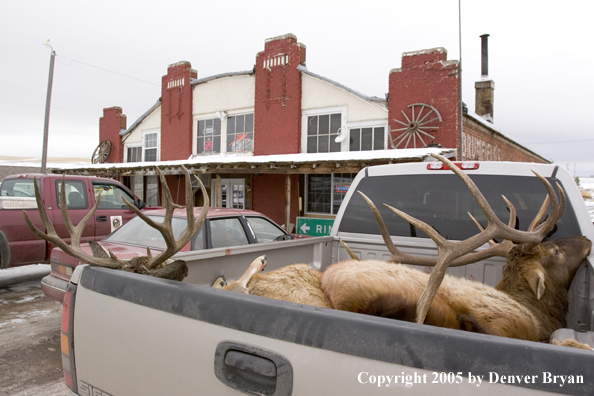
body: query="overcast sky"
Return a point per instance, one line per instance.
(114, 53)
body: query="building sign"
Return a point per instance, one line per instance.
(314, 227)
(476, 149)
(342, 188)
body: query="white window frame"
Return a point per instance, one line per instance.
(149, 132)
(132, 145)
(368, 124)
(223, 115)
(323, 111)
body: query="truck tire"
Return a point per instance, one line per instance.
(4, 251)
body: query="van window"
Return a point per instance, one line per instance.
(443, 201)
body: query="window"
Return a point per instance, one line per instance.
(240, 133)
(209, 136)
(322, 131)
(18, 188)
(363, 139)
(325, 192)
(112, 197)
(134, 154)
(151, 192)
(76, 194)
(227, 232)
(264, 230)
(151, 146)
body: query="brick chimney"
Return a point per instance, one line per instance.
(484, 89)
(277, 124)
(110, 125)
(427, 78)
(176, 112)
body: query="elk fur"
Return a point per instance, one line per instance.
(529, 302)
(295, 283)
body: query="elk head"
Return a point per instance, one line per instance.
(160, 265)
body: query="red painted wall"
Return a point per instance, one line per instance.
(176, 112)
(277, 123)
(109, 129)
(426, 77)
(268, 196)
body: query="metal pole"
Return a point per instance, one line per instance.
(460, 79)
(47, 111)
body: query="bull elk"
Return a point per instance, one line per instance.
(529, 302)
(161, 265)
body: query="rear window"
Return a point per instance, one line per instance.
(18, 188)
(443, 201)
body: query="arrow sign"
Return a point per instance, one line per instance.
(314, 226)
(304, 228)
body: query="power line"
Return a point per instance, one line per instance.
(106, 70)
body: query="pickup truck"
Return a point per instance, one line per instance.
(128, 334)
(20, 246)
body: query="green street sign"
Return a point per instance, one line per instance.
(314, 227)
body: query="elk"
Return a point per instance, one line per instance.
(528, 303)
(295, 283)
(161, 265)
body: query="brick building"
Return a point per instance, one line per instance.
(284, 141)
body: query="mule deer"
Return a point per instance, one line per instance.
(161, 265)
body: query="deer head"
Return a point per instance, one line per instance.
(160, 265)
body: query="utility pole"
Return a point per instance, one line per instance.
(461, 110)
(47, 108)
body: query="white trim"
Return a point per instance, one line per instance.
(323, 111)
(370, 124)
(131, 145)
(150, 132)
(210, 116)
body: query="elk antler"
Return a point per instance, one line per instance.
(156, 266)
(450, 251)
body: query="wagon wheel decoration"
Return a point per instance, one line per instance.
(101, 152)
(419, 124)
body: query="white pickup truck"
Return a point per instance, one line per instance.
(129, 334)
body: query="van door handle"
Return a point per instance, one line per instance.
(252, 370)
(101, 219)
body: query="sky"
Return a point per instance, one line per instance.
(114, 53)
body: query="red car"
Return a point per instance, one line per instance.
(222, 228)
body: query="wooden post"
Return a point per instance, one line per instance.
(219, 202)
(287, 202)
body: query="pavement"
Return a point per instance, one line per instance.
(25, 273)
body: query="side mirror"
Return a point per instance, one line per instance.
(140, 204)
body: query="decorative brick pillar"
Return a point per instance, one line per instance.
(176, 111)
(484, 97)
(110, 125)
(426, 77)
(277, 124)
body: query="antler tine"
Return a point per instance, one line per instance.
(52, 236)
(399, 257)
(173, 245)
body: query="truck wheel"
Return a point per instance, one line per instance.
(4, 251)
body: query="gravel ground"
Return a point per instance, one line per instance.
(30, 354)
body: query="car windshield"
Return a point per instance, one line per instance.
(138, 232)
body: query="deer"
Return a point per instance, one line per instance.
(161, 265)
(529, 302)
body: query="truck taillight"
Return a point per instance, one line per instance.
(67, 340)
(462, 165)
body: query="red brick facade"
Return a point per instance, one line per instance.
(176, 112)
(277, 119)
(110, 125)
(427, 77)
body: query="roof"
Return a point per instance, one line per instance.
(341, 162)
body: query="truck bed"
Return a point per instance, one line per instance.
(120, 337)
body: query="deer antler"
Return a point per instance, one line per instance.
(452, 252)
(146, 264)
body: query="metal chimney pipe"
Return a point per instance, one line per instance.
(484, 55)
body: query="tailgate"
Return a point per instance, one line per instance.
(135, 334)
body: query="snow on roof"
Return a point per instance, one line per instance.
(400, 155)
(124, 132)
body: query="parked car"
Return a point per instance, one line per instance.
(223, 228)
(20, 246)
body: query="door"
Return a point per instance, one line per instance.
(232, 193)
